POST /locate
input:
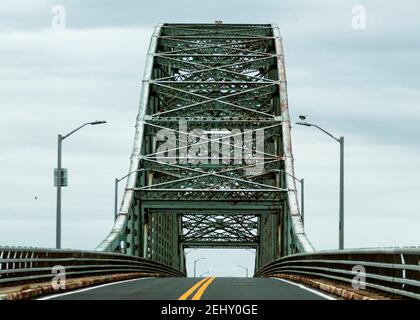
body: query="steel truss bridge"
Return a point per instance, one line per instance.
(212, 148)
(212, 167)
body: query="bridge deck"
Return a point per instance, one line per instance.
(173, 288)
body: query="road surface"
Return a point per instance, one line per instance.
(209, 288)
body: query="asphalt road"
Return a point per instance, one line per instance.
(208, 288)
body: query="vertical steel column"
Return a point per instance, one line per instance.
(146, 221)
(341, 226)
(58, 222)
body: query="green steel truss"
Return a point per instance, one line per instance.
(211, 147)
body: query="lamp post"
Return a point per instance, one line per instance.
(59, 143)
(302, 195)
(195, 265)
(246, 269)
(189, 251)
(116, 190)
(203, 274)
(341, 213)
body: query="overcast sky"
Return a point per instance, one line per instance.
(363, 84)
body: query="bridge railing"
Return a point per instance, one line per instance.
(392, 270)
(24, 265)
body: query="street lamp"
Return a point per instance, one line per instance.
(246, 269)
(302, 190)
(195, 265)
(203, 274)
(59, 177)
(116, 191)
(191, 250)
(341, 142)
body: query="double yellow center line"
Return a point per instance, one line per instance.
(199, 287)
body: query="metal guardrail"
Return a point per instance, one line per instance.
(26, 265)
(392, 270)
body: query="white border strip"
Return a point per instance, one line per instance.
(308, 289)
(90, 288)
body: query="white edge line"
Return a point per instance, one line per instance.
(308, 289)
(90, 288)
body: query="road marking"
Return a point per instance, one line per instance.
(306, 288)
(90, 288)
(192, 289)
(203, 288)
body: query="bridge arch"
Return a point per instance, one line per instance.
(194, 185)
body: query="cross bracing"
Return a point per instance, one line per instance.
(211, 147)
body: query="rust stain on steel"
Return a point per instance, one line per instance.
(340, 290)
(34, 290)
